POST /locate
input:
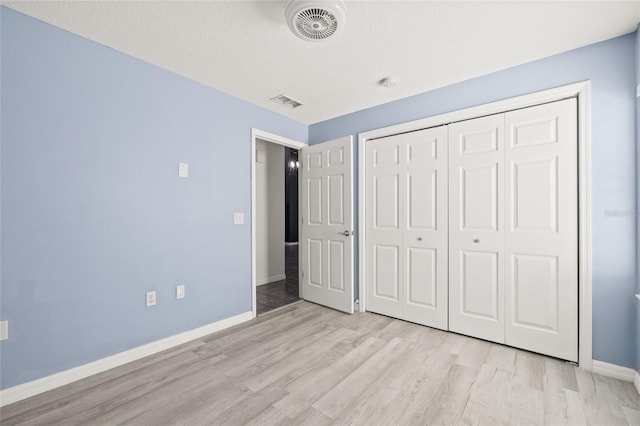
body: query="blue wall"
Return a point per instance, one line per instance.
(610, 67)
(93, 212)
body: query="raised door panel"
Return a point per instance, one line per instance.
(386, 202)
(421, 277)
(479, 285)
(422, 199)
(479, 197)
(542, 231)
(476, 228)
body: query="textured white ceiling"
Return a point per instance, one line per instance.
(244, 48)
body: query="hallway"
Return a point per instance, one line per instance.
(280, 293)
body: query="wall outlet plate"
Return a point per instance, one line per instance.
(180, 292)
(151, 298)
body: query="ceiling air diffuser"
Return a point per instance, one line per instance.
(315, 20)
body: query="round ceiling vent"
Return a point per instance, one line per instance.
(315, 20)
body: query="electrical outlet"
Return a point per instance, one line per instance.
(151, 298)
(4, 330)
(180, 292)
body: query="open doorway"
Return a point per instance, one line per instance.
(275, 221)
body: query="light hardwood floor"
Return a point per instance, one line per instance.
(305, 364)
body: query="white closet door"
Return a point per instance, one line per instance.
(326, 197)
(384, 224)
(426, 227)
(476, 228)
(542, 229)
(406, 226)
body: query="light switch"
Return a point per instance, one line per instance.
(4, 330)
(180, 292)
(183, 170)
(238, 218)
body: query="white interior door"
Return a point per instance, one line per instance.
(476, 228)
(406, 225)
(542, 229)
(326, 230)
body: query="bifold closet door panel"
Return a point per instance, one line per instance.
(476, 228)
(384, 223)
(406, 226)
(541, 205)
(426, 227)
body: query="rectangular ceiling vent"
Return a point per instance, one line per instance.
(286, 101)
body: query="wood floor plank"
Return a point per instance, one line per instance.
(526, 405)
(372, 404)
(337, 399)
(297, 360)
(489, 397)
(529, 370)
(559, 375)
(450, 399)
(309, 365)
(308, 388)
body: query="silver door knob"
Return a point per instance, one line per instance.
(345, 233)
(476, 240)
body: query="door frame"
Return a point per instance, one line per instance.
(581, 90)
(278, 140)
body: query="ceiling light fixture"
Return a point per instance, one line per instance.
(316, 20)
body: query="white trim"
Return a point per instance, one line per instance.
(583, 91)
(35, 387)
(279, 140)
(362, 238)
(636, 381)
(614, 371)
(273, 279)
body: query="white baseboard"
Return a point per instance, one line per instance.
(35, 387)
(636, 381)
(269, 280)
(614, 371)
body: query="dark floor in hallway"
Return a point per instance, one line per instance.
(280, 293)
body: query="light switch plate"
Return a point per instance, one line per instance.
(4, 330)
(180, 292)
(238, 218)
(183, 170)
(638, 91)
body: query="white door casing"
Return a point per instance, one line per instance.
(326, 231)
(541, 213)
(476, 228)
(406, 225)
